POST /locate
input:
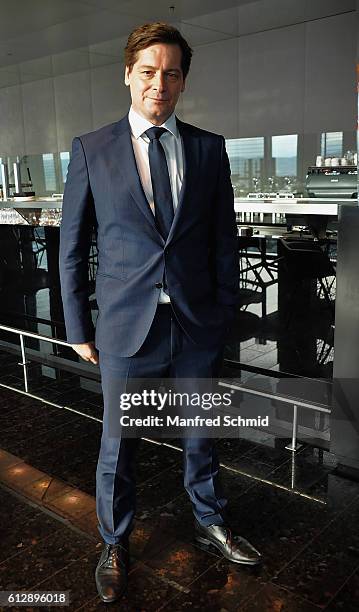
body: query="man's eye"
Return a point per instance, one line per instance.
(146, 72)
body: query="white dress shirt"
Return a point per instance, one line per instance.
(172, 145)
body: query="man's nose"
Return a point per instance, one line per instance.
(159, 82)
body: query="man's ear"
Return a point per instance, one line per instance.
(183, 85)
(127, 76)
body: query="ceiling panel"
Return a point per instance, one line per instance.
(39, 68)
(261, 15)
(43, 27)
(9, 76)
(20, 17)
(325, 8)
(107, 52)
(197, 36)
(223, 21)
(35, 29)
(65, 36)
(160, 9)
(71, 61)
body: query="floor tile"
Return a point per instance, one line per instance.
(272, 599)
(12, 507)
(146, 592)
(348, 597)
(223, 586)
(88, 523)
(20, 475)
(230, 449)
(55, 489)
(156, 460)
(271, 456)
(77, 577)
(323, 567)
(22, 415)
(31, 426)
(37, 489)
(7, 460)
(72, 504)
(25, 570)
(152, 495)
(181, 562)
(18, 533)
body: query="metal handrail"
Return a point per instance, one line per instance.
(292, 401)
(273, 396)
(293, 447)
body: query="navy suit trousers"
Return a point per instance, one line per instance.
(166, 352)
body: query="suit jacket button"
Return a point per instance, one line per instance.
(158, 285)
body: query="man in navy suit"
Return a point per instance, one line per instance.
(159, 195)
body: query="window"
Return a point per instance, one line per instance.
(49, 171)
(332, 144)
(284, 152)
(242, 150)
(64, 161)
(245, 157)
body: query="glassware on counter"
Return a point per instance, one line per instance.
(9, 216)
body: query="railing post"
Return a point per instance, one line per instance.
(292, 484)
(294, 446)
(23, 362)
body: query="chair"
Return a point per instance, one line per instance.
(305, 260)
(255, 276)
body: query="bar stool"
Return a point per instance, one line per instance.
(305, 260)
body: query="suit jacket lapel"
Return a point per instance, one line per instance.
(128, 168)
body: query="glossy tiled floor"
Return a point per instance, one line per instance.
(298, 511)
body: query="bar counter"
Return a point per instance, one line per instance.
(295, 206)
(33, 212)
(43, 212)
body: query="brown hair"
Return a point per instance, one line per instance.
(152, 34)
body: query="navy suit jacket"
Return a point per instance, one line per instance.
(103, 191)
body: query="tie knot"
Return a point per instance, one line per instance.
(155, 133)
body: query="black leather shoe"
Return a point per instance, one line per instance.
(111, 572)
(233, 547)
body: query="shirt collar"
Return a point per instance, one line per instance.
(139, 124)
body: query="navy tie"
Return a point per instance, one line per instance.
(160, 178)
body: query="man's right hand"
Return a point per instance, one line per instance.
(87, 351)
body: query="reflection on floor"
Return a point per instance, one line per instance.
(297, 510)
(285, 319)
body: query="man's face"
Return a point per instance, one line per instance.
(156, 81)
